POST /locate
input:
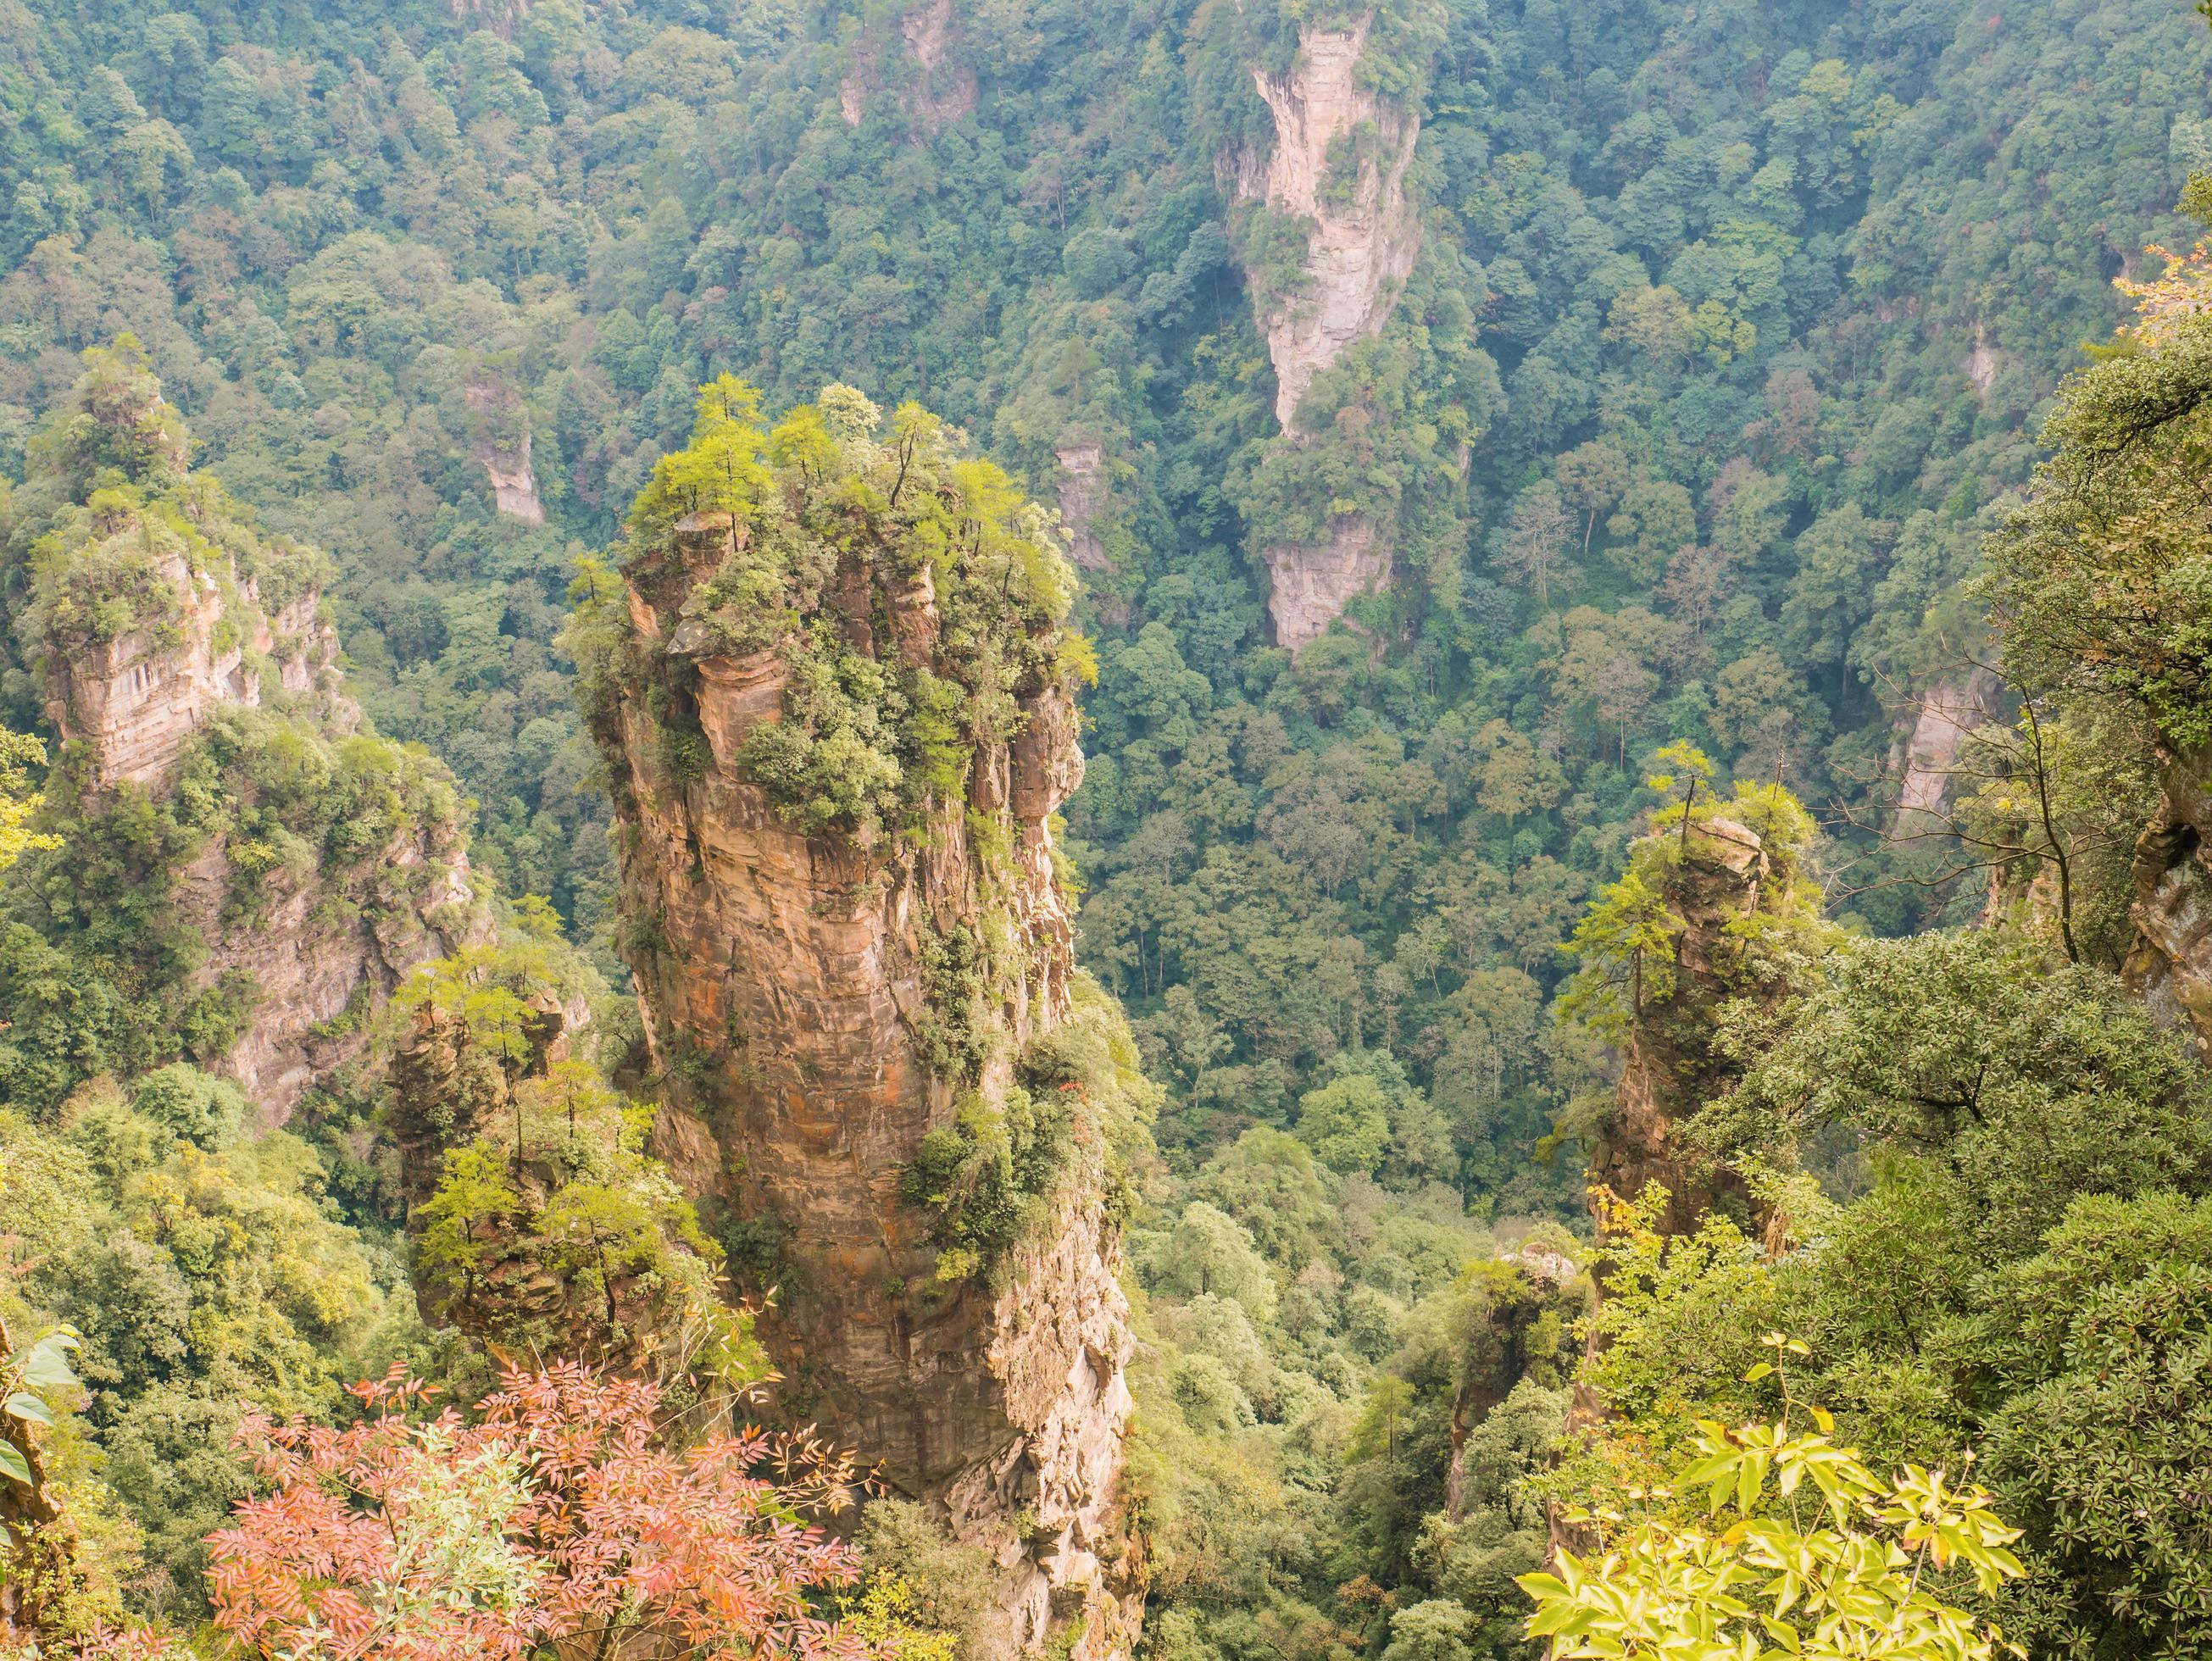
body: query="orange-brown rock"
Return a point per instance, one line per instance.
(318, 948)
(136, 700)
(785, 982)
(1668, 1067)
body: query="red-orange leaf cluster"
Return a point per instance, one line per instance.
(556, 1520)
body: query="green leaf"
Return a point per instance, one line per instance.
(13, 1463)
(47, 1365)
(24, 1405)
(1750, 1476)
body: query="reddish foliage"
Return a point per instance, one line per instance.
(554, 1521)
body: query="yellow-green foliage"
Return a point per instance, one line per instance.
(110, 502)
(1079, 1103)
(19, 800)
(1627, 942)
(554, 1232)
(1801, 1551)
(866, 738)
(206, 1272)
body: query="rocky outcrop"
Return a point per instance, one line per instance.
(938, 89)
(1982, 363)
(1083, 491)
(322, 949)
(324, 953)
(1669, 1068)
(1941, 723)
(1337, 167)
(135, 701)
(1364, 233)
(2170, 966)
(1311, 583)
(500, 445)
(797, 991)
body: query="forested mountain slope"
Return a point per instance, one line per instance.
(1786, 285)
(1529, 467)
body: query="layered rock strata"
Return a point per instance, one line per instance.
(134, 702)
(792, 984)
(322, 951)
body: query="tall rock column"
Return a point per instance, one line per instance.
(1669, 1068)
(1716, 908)
(1363, 236)
(839, 758)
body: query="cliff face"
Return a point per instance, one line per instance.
(318, 944)
(938, 89)
(1364, 235)
(821, 997)
(1946, 717)
(501, 446)
(1311, 583)
(1338, 165)
(2171, 964)
(1082, 495)
(136, 700)
(317, 966)
(1668, 1069)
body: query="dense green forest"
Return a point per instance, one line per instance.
(1748, 409)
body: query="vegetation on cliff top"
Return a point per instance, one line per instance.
(964, 595)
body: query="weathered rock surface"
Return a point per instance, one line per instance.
(1082, 495)
(1365, 235)
(785, 1000)
(502, 447)
(1309, 583)
(320, 968)
(1950, 712)
(135, 701)
(941, 90)
(318, 949)
(1669, 1068)
(2171, 964)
